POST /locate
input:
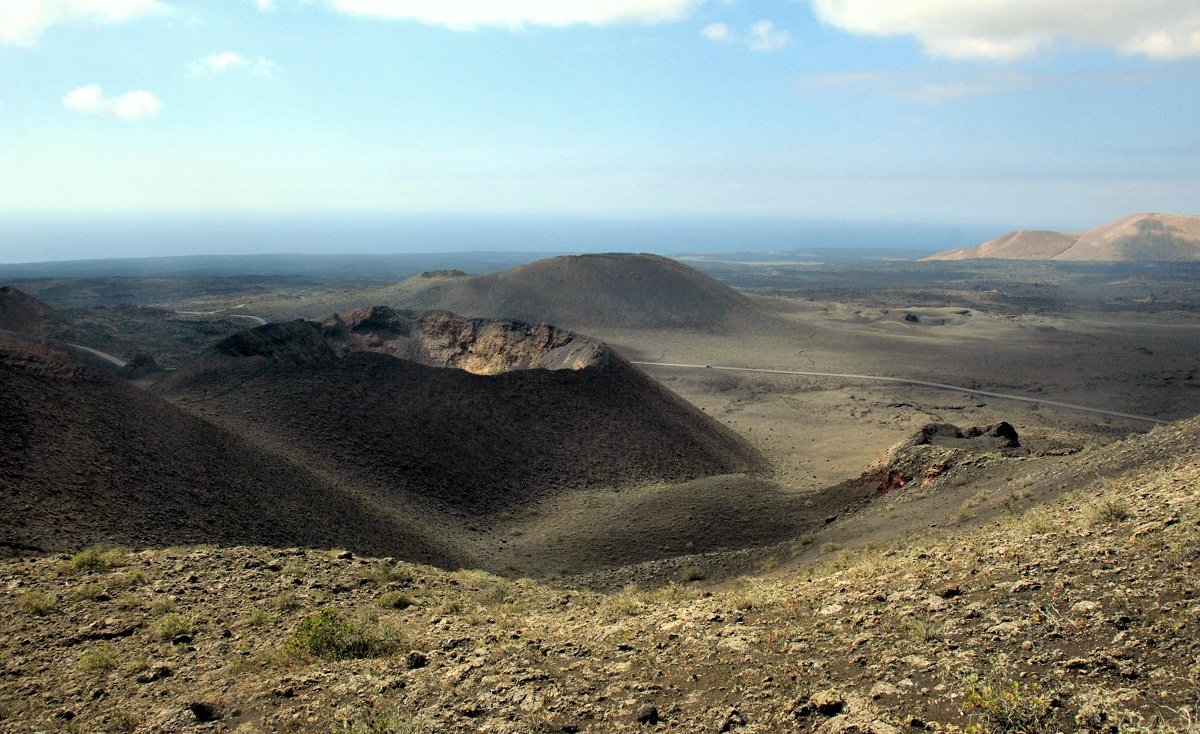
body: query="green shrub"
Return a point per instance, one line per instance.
(98, 558)
(692, 573)
(396, 600)
(829, 547)
(172, 625)
(327, 634)
(87, 592)
(1002, 706)
(36, 603)
(1108, 512)
(257, 617)
(101, 658)
(388, 572)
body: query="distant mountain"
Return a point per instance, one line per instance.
(579, 291)
(1141, 237)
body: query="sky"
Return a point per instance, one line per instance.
(1029, 113)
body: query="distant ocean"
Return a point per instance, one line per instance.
(28, 238)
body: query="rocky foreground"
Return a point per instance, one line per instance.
(1082, 615)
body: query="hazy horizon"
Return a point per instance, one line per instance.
(36, 239)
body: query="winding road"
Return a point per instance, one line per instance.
(102, 355)
(906, 381)
(256, 319)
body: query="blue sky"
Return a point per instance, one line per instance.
(1059, 113)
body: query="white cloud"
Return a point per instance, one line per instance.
(132, 106)
(1006, 30)
(719, 32)
(226, 61)
(762, 36)
(23, 21)
(472, 14)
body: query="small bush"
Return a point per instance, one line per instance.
(625, 603)
(98, 558)
(101, 658)
(1108, 512)
(388, 572)
(36, 603)
(829, 547)
(327, 634)
(692, 573)
(287, 602)
(87, 592)
(1002, 706)
(396, 600)
(171, 625)
(257, 617)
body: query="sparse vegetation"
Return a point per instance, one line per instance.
(329, 634)
(257, 617)
(171, 626)
(692, 573)
(101, 658)
(1001, 705)
(387, 571)
(1108, 511)
(87, 592)
(396, 600)
(98, 558)
(36, 603)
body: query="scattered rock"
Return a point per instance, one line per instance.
(825, 703)
(647, 714)
(416, 659)
(154, 673)
(204, 711)
(732, 720)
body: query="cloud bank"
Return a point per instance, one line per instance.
(1007, 30)
(23, 21)
(131, 106)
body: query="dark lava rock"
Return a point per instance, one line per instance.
(647, 714)
(204, 711)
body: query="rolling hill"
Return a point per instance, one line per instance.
(1141, 237)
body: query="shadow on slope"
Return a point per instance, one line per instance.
(459, 443)
(86, 458)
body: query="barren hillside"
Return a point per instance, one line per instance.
(611, 291)
(1076, 616)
